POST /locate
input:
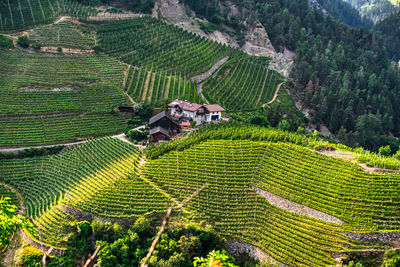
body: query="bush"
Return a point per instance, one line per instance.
(258, 120)
(23, 41)
(36, 46)
(59, 49)
(31, 256)
(385, 150)
(6, 42)
(136, 135)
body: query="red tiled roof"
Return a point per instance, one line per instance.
(185, 123)
(214, 108)
(185, 105)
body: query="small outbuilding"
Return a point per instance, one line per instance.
(163, 126)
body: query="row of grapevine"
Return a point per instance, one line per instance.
(6, 191)
(57, 129)
(243, 84)
(73, 176)
(337, 187)
(147, 86)
(236, 210)
(21, 14)
(40, 83)
(63, 34)
(152, 43)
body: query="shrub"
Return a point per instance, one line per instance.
(385, 150)
(36, 46)
(6, 42)
(23, 41)
(136, 135)
(31, 256)
(59, 49)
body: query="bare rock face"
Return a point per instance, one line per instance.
(257, 43)
(223, 38)
(256, 39)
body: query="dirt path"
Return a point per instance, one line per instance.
(276, 94)
(146, 85)
(150, 92)
(349, 156)
(294, 207)
(203, 76)
(166, 91)
(71, 144)
(262, 89)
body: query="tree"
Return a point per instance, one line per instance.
(10, 221)
(215, 258)
(258, 120)
(385, 150)
(284, 125)
(23, 41)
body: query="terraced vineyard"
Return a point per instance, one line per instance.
(53, 129)
(244, 84)
(81, 90)
(153, 44)
(5, 191)
(104, 177)
(40, 83)
(147, 86)
(21, 14)
(64, 34)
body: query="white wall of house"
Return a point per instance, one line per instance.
(216, 115)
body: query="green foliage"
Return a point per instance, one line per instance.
(163, 47)
(258, 120)
(385, 151)
(216, 258)
(391, 258)
(10, 221)
(23, 41)
(6, 42)
(137, 135)
(30, 257)
(23, 14)
(284, 125)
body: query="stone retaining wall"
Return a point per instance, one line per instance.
(381, 236)
(236, 248)
(40, 245)
(86, 216)
(291, 206)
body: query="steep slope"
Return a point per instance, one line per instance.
(375, 10)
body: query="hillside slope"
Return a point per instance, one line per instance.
(246, 172)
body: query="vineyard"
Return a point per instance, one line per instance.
(105, 177)
(153, 44)
(243, 84)
(57, 128)
(64, 34)
(39, 83)
(21, 14)
(151, 87)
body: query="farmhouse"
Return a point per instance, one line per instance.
(185, 110)
(163, 125)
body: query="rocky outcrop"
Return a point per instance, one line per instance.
(291, 206)
(256, 39)
(381, 236)
(237, 248)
